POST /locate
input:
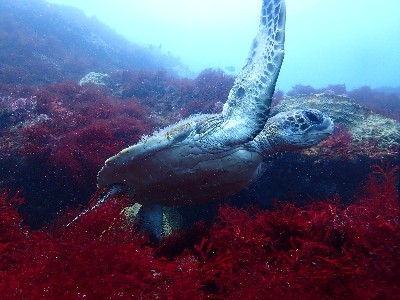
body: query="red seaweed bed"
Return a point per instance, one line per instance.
(324, 250)
(54, 138)
(56, 134)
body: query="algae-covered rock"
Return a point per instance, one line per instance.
(96, 79)
(386, 131)
(362, 123)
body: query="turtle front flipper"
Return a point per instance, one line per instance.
(250, 98)
(249, 101)
(247, 107)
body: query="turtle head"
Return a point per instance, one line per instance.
(294, 130)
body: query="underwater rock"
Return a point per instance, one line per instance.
(337, 165)
(362, 123)
(43, 43)
(96, 79)
(5, 116)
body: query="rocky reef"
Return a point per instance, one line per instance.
(337, 166)
(64, 132)
(45, 43)
(321, 223)
(362, 123)
(300, 224)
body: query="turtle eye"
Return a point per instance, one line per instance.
(313, 117)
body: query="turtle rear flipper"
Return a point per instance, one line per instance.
(150, 218)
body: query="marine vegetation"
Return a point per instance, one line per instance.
(324, 250)
(321, 223)
(208, 157)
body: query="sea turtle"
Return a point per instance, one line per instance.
(210, 156)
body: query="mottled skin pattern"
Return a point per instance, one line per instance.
(249, 100)
(247, 107)
(208, 157)
(172, 168)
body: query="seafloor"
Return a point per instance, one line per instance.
(322, 223)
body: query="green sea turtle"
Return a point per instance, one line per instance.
(210, 156)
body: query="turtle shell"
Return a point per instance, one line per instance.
(171, 168)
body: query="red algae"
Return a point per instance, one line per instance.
(59, 135)
(76, 129)
(385, 103)
(324, 250)
(63, 133)
(339, 144)
(55, 137)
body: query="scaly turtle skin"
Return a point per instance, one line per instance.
(211, 156)
(173, 169)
